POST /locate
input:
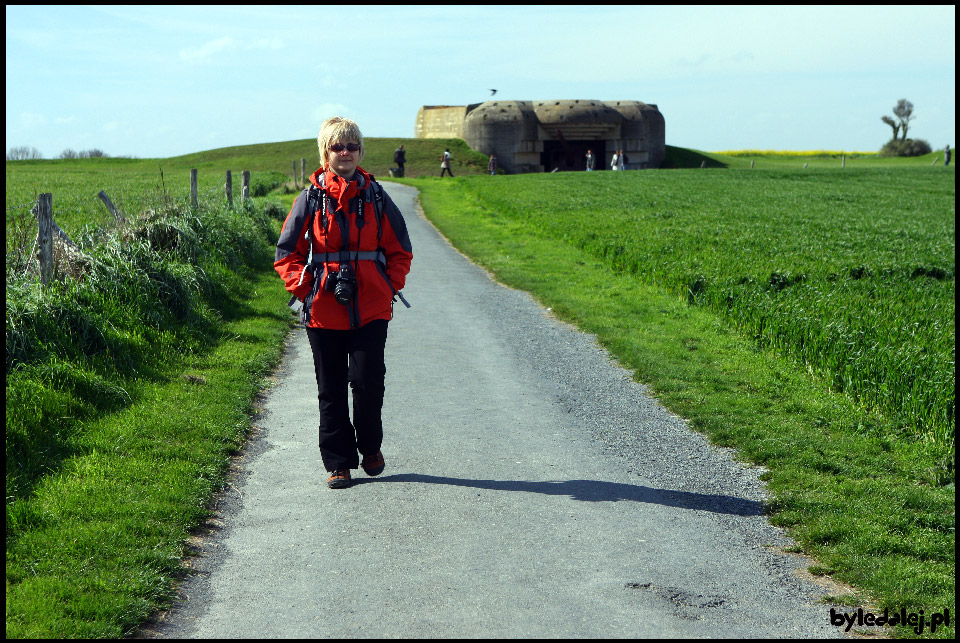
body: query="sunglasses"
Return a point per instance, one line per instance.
(350, 147)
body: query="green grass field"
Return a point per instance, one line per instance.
(773, 160)
(850, 273)
(804, 317)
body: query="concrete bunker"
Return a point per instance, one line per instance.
(543, 136)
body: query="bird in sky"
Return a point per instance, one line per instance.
(492, 92)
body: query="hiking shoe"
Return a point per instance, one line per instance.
(339, 479)
(373, 464)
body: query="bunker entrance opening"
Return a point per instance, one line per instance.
(571, 156)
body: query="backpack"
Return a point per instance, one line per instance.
(314, 195)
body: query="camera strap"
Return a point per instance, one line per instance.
(343, 256)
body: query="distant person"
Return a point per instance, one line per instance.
(491, 165)
(946, 155)
(622, 161)
(615, 161)
(445, 163)
(591, 161)
(400, 157)
(346, 265)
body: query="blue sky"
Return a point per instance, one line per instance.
(164, 81)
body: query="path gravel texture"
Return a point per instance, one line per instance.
(532, 489)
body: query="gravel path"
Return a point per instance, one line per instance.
(532, 489)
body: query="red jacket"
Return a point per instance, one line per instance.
(377, 283)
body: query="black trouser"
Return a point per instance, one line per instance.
(445, 169)
(354, 356)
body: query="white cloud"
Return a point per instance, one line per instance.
(32, 119)
(203, 52)
(210, 49)
(265, 43)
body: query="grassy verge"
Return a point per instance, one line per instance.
(100, 543)
(846, 491)
(127, 392)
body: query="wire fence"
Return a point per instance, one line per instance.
(36, 244)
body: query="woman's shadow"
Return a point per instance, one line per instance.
(600, 491)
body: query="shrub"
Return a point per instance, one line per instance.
(908, 147)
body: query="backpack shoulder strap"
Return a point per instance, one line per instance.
(312, 198)
(377, 190)
(314, 194)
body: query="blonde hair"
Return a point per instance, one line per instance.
(335, 130)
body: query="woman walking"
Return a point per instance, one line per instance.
(344, 252)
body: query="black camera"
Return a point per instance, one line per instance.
(343, 283)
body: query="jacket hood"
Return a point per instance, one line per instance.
(339, 188)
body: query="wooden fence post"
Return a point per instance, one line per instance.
(45, 236)
(935, 161)
(245, 189)
(193, 188)
(751, 165)
(303, 171)
(229, 189)
(843, 160)
(112, 208)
